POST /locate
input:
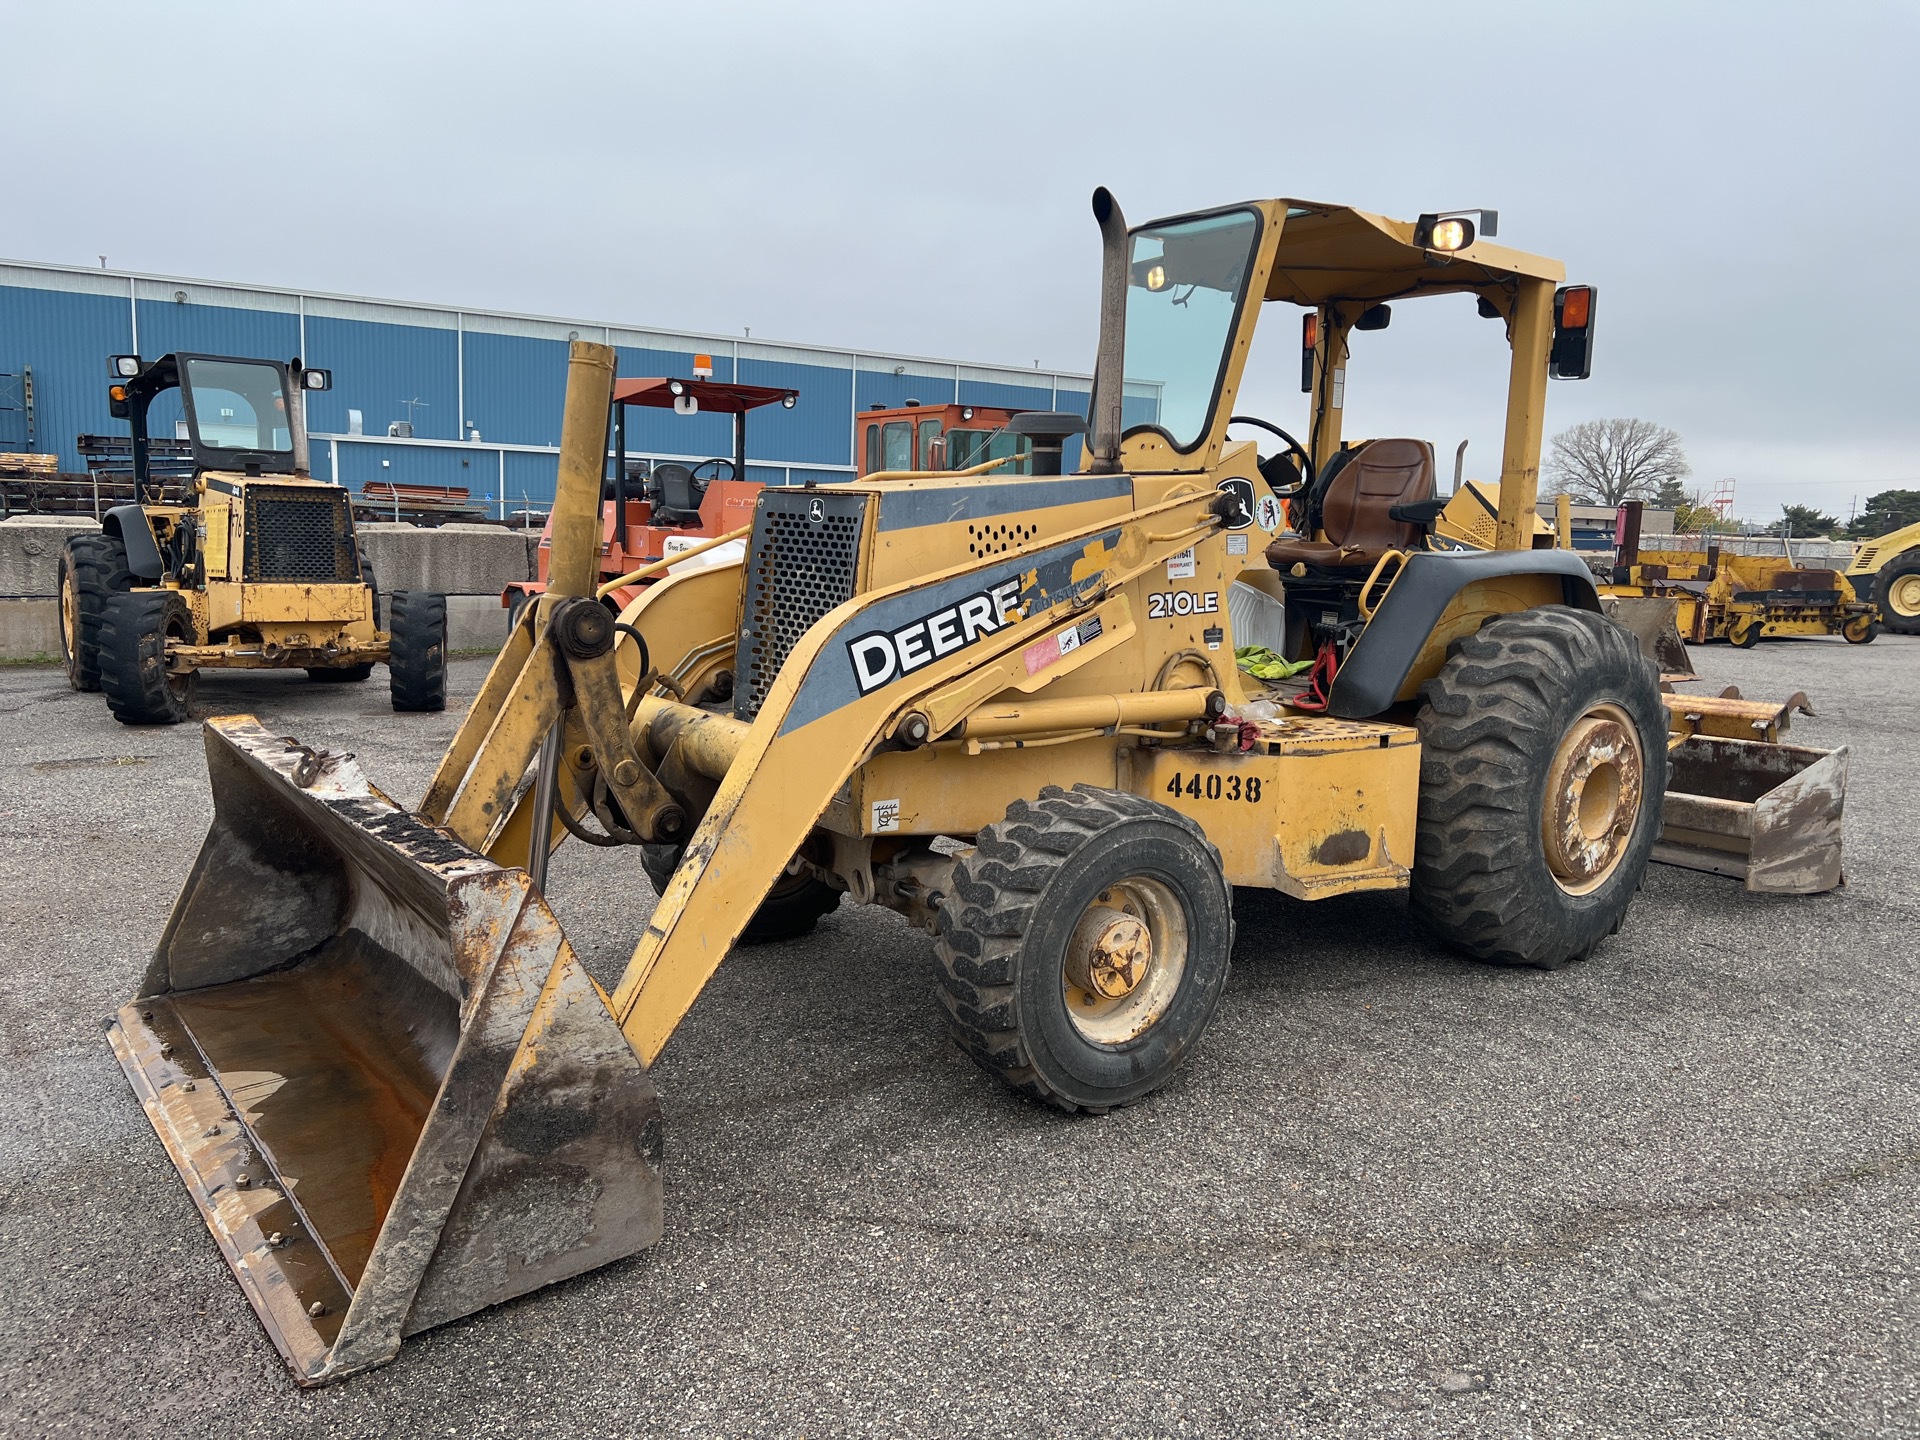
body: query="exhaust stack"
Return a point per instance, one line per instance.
(1109, 382)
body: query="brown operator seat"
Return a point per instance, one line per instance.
(1355, 508)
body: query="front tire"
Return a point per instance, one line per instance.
(1085, 946)
(1542, 772)
(93, 569)
(792, 908)
(417, 650)
(1897, 593)
(134, 632)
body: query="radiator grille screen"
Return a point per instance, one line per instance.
(297, 534)
(805, 560)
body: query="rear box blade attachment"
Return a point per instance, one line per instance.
(1764, 813)
(383, 1074)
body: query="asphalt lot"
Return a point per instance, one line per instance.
(1671, 1192)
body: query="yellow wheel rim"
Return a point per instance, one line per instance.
(1591, 802)
(1903, 596)
(69, 616)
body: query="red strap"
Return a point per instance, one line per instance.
(1319, 681)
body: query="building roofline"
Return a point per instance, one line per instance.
(856, 353)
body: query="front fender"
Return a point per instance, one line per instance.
(1439, 598)
(129, 525)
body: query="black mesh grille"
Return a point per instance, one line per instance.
(805, 560)
(297, 534)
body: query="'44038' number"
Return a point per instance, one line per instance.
(1212, 785)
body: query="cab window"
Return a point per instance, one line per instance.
(238, 406)
(897, 445)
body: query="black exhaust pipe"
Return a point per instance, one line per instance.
(1109, 381)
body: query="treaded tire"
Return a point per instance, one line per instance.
(1906, 563)
(417, 650)
(140, 690)
(1490, 725)
(93, 569)
(791, 910)
(1002, 939)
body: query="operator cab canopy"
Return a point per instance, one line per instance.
(1189, 327)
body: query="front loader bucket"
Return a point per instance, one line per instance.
(1765, 813)
(389, 1085)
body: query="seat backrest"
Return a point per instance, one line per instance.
(1381, 475)
(678, 493)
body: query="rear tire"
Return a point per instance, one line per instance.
(1897, 593)
(417, 650)
(134, 632)
(792, 908)
(1085, 946)
(93, 569)
(1543, 768)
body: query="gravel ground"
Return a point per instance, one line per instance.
(1671, 1192)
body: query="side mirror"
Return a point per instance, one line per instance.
(1571, 357)
(1374, 317)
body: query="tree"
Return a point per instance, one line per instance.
(1608, 462)
(1889, 510)
(1671, 495)
(1803, 520)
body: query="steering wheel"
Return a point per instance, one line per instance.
(1294, 447)
(713, 465)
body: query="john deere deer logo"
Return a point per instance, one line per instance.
(816, 510)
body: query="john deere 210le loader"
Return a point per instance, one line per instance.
(1007, 708)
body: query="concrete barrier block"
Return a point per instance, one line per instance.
(30, 629)
(474, 622)
(30, 547)
(452, 559)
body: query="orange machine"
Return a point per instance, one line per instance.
(936, 437)
(678, 506)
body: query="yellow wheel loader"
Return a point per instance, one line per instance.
(1006, 707)
(261, 571)
(1886, 574)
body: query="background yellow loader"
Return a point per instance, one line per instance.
(1886, 573)
(260, 572)
(1005, 707)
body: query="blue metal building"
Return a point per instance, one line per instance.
(481, 389)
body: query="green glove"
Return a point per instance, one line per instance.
(1261, 663)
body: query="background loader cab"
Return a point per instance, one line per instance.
(260, 570)
(938, 437)
(652, 510)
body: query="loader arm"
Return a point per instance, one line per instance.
(816, 728)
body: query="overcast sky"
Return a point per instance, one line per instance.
(1737, 179)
